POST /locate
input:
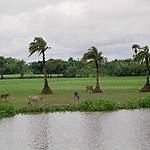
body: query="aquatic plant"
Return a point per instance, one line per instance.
(8, 110)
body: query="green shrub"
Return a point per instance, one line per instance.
(7, 110)
(144, 102)
(130, 105)
(29, 109)
(98, 105)
(73, 107)
(49, 108)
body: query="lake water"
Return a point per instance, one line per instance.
(118, 130)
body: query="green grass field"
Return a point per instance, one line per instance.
(120, 89)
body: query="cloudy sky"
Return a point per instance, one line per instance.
(70, 27)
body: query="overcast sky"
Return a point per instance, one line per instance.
(70, 27)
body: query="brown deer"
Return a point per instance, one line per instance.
(76, 95)
(89, 88)
(5, 96)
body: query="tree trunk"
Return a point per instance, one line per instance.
(147, 72)
(146, 87)
(46, 89)
(1, 73)
(97, 88)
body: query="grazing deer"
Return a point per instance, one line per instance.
(5, 96)
(76, 95)
(89, 88)
(34, 98)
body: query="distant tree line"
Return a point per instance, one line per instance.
(71, 67)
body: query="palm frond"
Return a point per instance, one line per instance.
(136, 48)
(93, 54)
(88, 55)
(140, 57)
(38, 45)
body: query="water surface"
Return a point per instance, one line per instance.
(118, 130)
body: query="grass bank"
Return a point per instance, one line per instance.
(118, 93)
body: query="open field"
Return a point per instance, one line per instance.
(120, 89)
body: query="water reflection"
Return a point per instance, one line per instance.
(118, 130)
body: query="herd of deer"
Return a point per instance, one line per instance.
(39, 98)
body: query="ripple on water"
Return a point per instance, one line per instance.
(118, 130)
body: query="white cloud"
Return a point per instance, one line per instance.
(70, 27)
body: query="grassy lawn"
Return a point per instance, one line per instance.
(120, 89)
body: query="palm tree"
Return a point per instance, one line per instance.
(2, 62)
(143, 55)
(40, 46)
(96, 56)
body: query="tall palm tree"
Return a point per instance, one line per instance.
(40, 46)
(143, 55)
(96, 56)
(2, 62)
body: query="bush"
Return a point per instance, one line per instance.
(7, 110)
(29, 109)
(98, 105)
(130, 105)
(49, 108)
(144, 102)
